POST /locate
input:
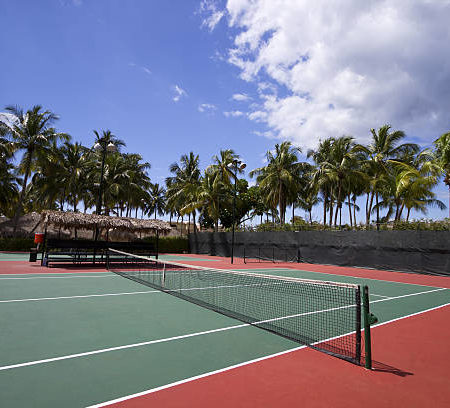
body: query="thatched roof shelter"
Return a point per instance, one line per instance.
(69, 219)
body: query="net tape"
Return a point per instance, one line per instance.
(321, 314)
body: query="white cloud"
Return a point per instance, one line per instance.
(206, 108)
(211, 13)
(241, 97)
(141, 67)
(233, 114)
(330, 67)
(179, 93)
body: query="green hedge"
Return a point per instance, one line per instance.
(166, 244)
(301, 225)
(16, 244)
(173, 245)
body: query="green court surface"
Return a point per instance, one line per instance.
(78, 339)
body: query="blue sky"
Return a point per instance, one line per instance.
(162, 74)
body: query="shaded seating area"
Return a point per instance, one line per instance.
(91, 252)
(94, 252)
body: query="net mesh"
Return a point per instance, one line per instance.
(272, 254)
(323, 315)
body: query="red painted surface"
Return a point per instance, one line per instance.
(16, 267)
(414, 373)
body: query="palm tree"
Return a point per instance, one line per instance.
(184, 186)
(210, 194)
(342, 168)
(416, 177)
(157, 201)
(442, 145)
(8, 180)
(383, 147)
(306, 200)
(220, 166)
(281, 177)
(31, 131)
(136, 190)
(320, 178)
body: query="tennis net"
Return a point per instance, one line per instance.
(323, 315)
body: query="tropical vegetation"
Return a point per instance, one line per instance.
(43, 168)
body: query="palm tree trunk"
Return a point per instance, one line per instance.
(19, 208)
(331, 211)
(336, 214)
(350, 210)
(293, 215)
(354, 210)
(189, 224)
(407, 214)
(339, 205)
(310, 216)
(369, 209)
(325, 201)
(193, 220)
(378, 212)
(135, 214)
(401, 211)
(280, 205)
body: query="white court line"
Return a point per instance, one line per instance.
(125, 293)
(79, 296)
(63, 277)
(374, 294)
(348, 276)
(127, 346)
(50, 273)
(245, 363)
(410, 294)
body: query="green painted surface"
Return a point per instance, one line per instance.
(50, 328)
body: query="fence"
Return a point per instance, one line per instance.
(425, 252)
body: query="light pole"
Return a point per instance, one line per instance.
(235, 165)
(103, 148)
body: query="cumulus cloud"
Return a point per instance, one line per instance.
(211, 14)
(206, 108)
(329, 67)
(179, 93)
(241, 97)
(233, 114)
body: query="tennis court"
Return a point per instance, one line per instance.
(93, 338)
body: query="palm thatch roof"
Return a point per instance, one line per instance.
(69, 219)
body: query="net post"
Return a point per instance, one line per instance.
(107, 259)
(367, 321)
(358, 325)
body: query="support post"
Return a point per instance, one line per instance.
(368, 319)
(234, 214)
(157, 244)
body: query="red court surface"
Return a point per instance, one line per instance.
(22, 267)
(409, 372)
